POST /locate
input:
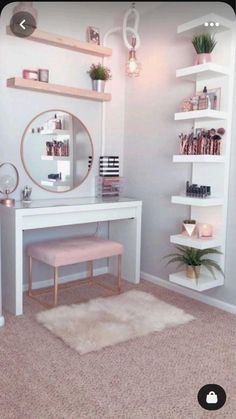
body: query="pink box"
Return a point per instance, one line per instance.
(30, 74)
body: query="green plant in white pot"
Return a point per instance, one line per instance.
(99, 74)
(204, 44)
(194, 259)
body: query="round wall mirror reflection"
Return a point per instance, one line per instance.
(57, 151)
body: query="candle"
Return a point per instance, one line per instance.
(204, 230)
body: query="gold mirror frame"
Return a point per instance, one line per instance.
(22, 154)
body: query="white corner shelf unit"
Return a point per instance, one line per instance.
(212, 201)
(202, 71)
(196, 243)
(203, 114)
(205, 282)
(219, 73)
(195, 158)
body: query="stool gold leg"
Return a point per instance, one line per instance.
(90, 269)
(119, 272)
(30, 277)
(55, 285)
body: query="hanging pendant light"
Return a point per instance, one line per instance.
(133, 67)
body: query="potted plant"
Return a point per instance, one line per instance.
(204, 44)
(194, 259)
(99, 75)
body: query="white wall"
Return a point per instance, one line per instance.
(151, 136)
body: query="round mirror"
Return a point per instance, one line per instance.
(57, 151)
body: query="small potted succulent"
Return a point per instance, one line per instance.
(99, 75)
(204, 44)
(194, 259)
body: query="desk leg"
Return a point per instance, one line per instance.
(127, 232)
(12, 281)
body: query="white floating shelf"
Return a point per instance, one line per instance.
(203, 114)
(205, 282)
(55, 132)
(198, 202)
(196, 243)
(201, 158)
(55, 183)
(59, 158)
(194, 26)
(202, 71)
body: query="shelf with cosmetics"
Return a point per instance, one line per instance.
(55, 132)
(59, 158)
(204, 146)
(197, 158)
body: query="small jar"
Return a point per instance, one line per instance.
(43, 75)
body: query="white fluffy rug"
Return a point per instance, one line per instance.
(106, 321)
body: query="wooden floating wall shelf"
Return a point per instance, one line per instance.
(67, 43)
(34, 85)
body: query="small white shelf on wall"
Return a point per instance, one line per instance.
(205, 282)
(56, 158)
(197, 158)
(55, 132)
(219, 73)
(202, 71)
(38, 86)
(198, 202)
(195, 242)
(203, 114)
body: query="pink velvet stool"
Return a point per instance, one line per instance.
(64, 252)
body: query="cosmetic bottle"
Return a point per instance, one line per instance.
(208, 97)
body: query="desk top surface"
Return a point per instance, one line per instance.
(45, 203)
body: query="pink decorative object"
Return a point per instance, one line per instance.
(30, 74)
(204, 230)
(189, 228)
(202, 59)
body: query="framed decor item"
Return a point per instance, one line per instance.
(93, 35)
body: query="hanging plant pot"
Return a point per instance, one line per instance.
(203, 58)
(193, 272)
(98, 85)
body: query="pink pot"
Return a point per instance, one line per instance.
(202, 58)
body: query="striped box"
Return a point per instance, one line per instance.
(90, 161)
(109, 166)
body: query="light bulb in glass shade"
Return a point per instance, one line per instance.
(133, 67)
(7, 184)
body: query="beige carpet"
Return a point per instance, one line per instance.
(103, 322)
(152, 377)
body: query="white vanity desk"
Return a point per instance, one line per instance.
(125, 227)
